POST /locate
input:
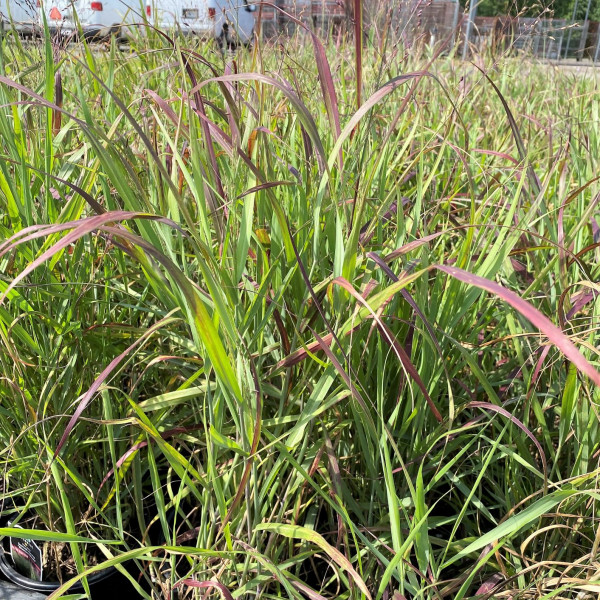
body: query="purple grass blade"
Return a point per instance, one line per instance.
(389, 337)
(303, 113)
(533, 178)
(264, 186)
(551, 331)
(358, 43)
(165, 435)
(79, 229)
(345, 377)
(89, 395)
(407, 296)
(502, 411)
(206, 584)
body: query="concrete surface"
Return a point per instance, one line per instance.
(9, 591)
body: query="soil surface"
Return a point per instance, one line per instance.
(59, 564)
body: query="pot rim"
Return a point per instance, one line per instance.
(47, 586)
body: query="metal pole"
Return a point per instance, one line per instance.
(455, 23)
(597, 45)
(472, 15)
(572, 21)
(584, 31)
(560, 43)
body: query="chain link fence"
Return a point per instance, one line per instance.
(549, 39)
(447, 22)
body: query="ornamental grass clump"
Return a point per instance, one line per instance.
(310, 325)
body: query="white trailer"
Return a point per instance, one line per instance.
(229, 21)
(96, 18)
(22, 15)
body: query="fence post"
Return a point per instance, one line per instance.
(471, 20)
(575, 7)
(584, 32)
(560, 42)
(597, 45)
(536, 37)
(455, 20)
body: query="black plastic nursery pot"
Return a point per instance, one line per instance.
(109, 583)
(101, 583)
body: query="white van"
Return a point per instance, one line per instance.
(229, 21)
(97, 18)
(22, 15)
